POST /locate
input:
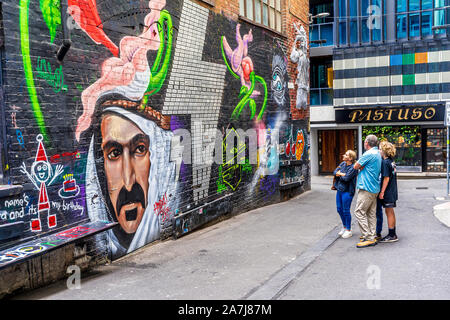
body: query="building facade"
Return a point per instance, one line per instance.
(384, 69)
(150, 117)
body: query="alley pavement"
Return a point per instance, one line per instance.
(288, 250)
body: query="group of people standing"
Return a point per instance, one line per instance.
(374, 176)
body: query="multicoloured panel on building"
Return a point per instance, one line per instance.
(392, 74)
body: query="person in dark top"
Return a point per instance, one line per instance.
(388, 195)
(345, 184)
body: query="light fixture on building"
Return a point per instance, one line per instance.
(318, 16)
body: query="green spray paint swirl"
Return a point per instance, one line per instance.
(246, 93)
(160, 68)
(27, 68)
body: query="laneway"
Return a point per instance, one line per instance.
(224, 261)
(250, 253)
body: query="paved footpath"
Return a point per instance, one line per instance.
(284, 251)
(415, 267)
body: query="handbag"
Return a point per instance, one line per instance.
(332, 186)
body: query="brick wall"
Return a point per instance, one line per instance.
(96, 135)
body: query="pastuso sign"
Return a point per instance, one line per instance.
(391, 114)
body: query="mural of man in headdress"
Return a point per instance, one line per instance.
(131, 140)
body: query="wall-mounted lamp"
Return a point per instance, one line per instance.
(318, 16)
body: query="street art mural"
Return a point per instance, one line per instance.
(42, 175)
(242, 68)
(279, 79)
(299, 56)
(97, 136)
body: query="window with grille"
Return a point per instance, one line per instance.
(265, 12)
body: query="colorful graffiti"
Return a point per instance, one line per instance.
(42, 175)
(130, 141)
(294, 148)
(242, 68)
(136, 74)
(279, 83)
(51, 12)
(85, 14)
(28, 69)
(162, 209)
(54, 79)
(19, 134)
(19, 252)
(130, 75)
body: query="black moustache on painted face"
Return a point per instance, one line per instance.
(136, 195)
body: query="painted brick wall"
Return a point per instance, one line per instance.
(96, 136)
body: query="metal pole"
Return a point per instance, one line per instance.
(448, 186)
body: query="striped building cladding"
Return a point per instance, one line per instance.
(392, 74)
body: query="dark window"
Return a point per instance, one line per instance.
(265, 12)
(321, 81)
(416, 18)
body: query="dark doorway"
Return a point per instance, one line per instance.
(332, 145)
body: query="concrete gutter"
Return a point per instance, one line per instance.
(421, 175)
(442, 213)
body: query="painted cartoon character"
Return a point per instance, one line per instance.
(290, 145)
(41, 176)
(300, 145)
(241, 63)
(241, 67)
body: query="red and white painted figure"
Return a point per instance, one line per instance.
(240, 62)
(41, 176)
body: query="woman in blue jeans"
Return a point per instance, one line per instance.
(345, 184)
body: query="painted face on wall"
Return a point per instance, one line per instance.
(127, 166)
(300, 145)
(41, 170)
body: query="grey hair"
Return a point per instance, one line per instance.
(372, 140)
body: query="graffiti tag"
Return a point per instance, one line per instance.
(54, 79)
(162, 209)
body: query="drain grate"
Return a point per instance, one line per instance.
(422, 188)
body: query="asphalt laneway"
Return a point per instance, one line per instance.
(285, 251)
(415, 267)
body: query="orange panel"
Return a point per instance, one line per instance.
(421, 57)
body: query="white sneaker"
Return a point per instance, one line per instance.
(347, 234)
(341, 232)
